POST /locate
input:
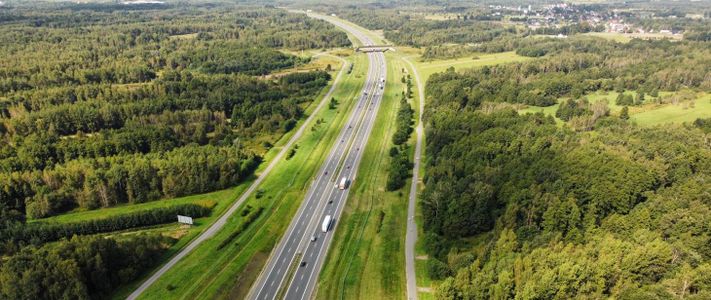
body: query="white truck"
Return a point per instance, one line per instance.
(343, 184)
(326, 223)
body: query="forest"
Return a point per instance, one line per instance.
(106, 105)
(437, 37)
(516, 206)
(106, 108)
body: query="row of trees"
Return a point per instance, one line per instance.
(15, 233)
(400, 164)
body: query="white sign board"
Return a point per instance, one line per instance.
(185, 220)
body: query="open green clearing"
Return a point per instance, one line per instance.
(209, 272)
(366, 259)
(428, 68)
(626, 37)
(647, 114)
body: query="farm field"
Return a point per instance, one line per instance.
(228, 272)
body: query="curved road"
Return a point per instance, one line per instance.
(215, 227)
(293, 267)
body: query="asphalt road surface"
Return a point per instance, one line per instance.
(296, 262)
(215, 227)
(411, 237)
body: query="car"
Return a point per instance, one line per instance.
(330, 201)
(325, 173)
(303, 263)
(313, 238)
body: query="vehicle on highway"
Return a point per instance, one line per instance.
(343, 184)
(303, 263)
(326, 223)
(313, 238)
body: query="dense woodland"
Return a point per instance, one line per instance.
(100, 106)
(516, 206)
(439, 38)
(111, 104)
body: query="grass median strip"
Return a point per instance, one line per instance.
(209, 272)
(365, 261)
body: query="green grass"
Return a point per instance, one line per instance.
(648, 114)
(626, 37)
(229, 272)
(222, 199)
(366, 260)
(428, 68)
(670, 113)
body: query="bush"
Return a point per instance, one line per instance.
(437, 269)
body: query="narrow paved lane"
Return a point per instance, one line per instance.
(411, 236)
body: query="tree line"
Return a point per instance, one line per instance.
(15, 233)
(400, 164)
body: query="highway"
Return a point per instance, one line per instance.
(219, 223)
(294, 265)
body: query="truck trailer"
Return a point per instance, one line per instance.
(326, 223)
(343, 184)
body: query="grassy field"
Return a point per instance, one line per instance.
(222, 199)
(366, 260)
(209, 272)
(670, 113)
(475, 60)
(648, 114)
(626, 37)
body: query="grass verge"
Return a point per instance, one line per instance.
(228, 273)
(366, 260)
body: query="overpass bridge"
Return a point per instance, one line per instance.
(374, 48)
